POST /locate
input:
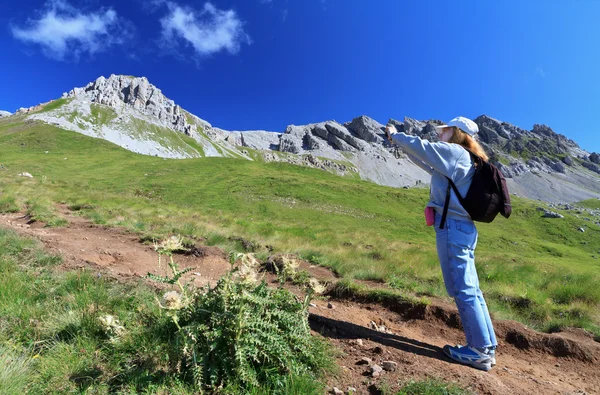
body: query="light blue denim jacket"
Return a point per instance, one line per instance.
(441, 160)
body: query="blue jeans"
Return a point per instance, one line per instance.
(456, 251)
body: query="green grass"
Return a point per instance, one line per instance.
(102, 115)
(536, 270)
(54, 105)
(43, 210)
(590, 203)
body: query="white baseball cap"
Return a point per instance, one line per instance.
(464, 124)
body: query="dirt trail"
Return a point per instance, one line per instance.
(528, 362)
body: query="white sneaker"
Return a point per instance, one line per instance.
(492, 354)
(469, 356)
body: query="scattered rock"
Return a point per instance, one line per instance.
(364, 361)
(581, 230)
(591, 166)
(337, 391)
(25, 174)
(379, 328)
(312, 305)
(376, 370)
(552, 214)
(351, 390)
(568, 160)
(377, 350)
(390, 366)
(330, 305)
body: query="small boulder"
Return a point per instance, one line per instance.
(568, 160)
(558, 167)
(376, 370)
(25, 174)
(552, 214)
(364, 361)
(337, 391)
(390, 366)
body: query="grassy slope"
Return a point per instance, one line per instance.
(538, 270)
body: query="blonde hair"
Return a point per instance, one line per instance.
(461, 138)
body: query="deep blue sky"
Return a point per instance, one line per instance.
(279, 62)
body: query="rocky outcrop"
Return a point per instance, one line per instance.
(292, 139)
(4, 114)
(592, 167)
(594, 158)
(120, 90)
(366, 128)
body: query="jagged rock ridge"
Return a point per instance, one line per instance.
(139, 93)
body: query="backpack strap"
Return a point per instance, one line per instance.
(476, 159)
(447, 202)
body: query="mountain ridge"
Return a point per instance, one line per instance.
(131, 112)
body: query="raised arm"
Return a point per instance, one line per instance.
(440, 156)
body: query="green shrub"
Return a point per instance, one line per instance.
(240, 335)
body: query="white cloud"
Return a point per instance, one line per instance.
(208, 31)
(64, 32)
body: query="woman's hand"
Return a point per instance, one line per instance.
(389, 130)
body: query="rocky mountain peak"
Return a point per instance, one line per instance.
(118, 91)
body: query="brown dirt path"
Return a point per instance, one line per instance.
(528, 362)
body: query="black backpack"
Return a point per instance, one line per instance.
(487, 196)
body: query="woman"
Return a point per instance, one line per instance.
(457, 238)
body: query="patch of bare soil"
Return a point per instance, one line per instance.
(408, 345)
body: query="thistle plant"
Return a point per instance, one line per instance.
(172, 301)
(286, 268)
(245, 267)
(241, 334)
(168, 247)
(112, 327)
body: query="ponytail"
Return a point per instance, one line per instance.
(461, 138)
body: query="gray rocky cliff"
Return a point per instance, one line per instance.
(137, 92)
